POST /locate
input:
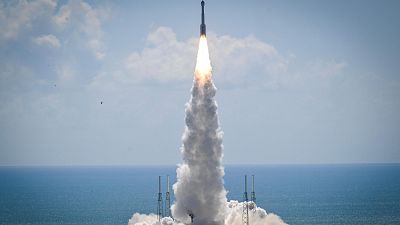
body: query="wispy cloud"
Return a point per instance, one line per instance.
(80, 17)
(47, 40)
(16, 16)
(66, 73)
(329, 68)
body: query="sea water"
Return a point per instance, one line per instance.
(299, 194)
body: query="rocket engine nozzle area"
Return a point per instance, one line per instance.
(203, 24)
(203, 29)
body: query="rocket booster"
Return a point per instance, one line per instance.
(203, 24)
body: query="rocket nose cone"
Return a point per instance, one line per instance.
(202, 3)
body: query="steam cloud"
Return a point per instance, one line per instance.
(233, 216)
(199, 191)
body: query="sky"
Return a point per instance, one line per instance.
(298, 81)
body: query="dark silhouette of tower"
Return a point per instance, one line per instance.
(160, 201)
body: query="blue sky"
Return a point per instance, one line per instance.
(298, 81)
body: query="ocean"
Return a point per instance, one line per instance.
(299, 194)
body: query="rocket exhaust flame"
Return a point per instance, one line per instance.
(203, 65)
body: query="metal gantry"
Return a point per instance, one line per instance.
(245, 213)
(246, 202)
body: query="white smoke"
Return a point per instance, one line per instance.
(257, 215)
(200, 196)
(233, 216)
(200, 188)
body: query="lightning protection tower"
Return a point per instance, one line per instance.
(160, 203)
(168, 200)
(253, 193)
(245, 213)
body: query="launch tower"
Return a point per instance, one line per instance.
(160, 201)
(245, 213)
(168, 200)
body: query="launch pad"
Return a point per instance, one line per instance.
(248, 205)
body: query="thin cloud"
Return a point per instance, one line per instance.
(80, 17)
(328, 69)
(20, 15)
(47, 40)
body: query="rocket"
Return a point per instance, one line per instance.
(202, 25)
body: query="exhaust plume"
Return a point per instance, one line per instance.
(199, 192)
(200, 196)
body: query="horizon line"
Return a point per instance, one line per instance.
(227, 164)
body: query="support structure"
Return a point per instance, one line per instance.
(253, 193)
(160, 201)
(168, 200)
(245, 213)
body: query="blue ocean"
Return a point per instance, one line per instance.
(299, 194)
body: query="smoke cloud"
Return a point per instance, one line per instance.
(200, 196)
(233, 216)
(199, 192)
(200, 188)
